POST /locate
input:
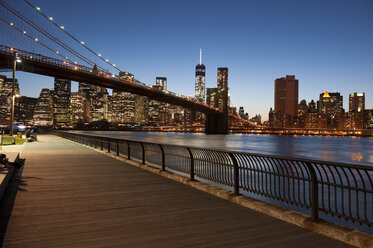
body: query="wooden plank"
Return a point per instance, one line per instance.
(71, 196)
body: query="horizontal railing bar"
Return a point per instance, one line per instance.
(319, 162)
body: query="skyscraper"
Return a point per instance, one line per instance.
(61, 102)
(43, 114)
(6, 85)
(357, 102)
(286, 95)
(200, 84)
(161, 82)
(222, 78)
(331, 104)
(78, 107)
(24, 109)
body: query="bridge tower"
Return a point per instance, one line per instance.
(217, 123)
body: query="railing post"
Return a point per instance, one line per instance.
(128, 150)
(143, 153)
(95, 143)
(314, 193)
(117, 147)
(236, 176)
(163, 158)
(108, 145)
(191, 164)
(102, 144)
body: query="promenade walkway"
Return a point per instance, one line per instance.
(72, 196)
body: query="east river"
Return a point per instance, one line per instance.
(349, 149)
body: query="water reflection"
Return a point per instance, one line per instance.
(355, 150)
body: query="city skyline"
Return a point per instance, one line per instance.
(310, 43)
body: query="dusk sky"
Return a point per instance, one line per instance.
(325, 44)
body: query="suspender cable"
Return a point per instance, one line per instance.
(71, 36)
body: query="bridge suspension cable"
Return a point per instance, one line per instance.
(62, 28)
(48, 35)
(34, 39)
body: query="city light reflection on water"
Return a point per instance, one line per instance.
(349, 149)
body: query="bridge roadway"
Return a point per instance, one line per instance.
(72, 196)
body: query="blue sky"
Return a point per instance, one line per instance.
(325, 44)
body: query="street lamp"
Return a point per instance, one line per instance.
(16, 60)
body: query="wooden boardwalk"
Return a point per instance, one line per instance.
(71, 196)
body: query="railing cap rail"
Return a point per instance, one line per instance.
(321, 162)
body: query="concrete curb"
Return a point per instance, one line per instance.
(343, 234)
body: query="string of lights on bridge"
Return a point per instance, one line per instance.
(45, 33)
(62, 28)
(53, 38)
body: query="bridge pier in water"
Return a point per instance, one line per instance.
(216, 123)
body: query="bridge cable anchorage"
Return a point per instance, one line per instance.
(62, 28)
(34, 39)
(48, 35)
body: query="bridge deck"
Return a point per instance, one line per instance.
(71, 196)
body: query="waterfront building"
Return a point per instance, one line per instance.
(122, 107)
(222, 78)
(286, 95)
(315, 120)
(61, 102)
(331, 104)
(43, 114)
(161, 82)
(89, 92)
(212, 98)
(357, 102)
(312, 107)
(141, 110)
(79, 108)
(302, 107)
(241, 113)
(356, 110)
(99, 105)
(281, 120)
(257, 119)
(368, 118)
(6, 85)
(24, 108)
(176, 115)
(154, 109)
(200, 81)
(88, 89)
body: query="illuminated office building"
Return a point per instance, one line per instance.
(43, 114)
(61, 102)
(24, 109)
(357, 102)
(200, 84)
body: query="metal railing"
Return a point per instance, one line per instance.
(334, 189)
